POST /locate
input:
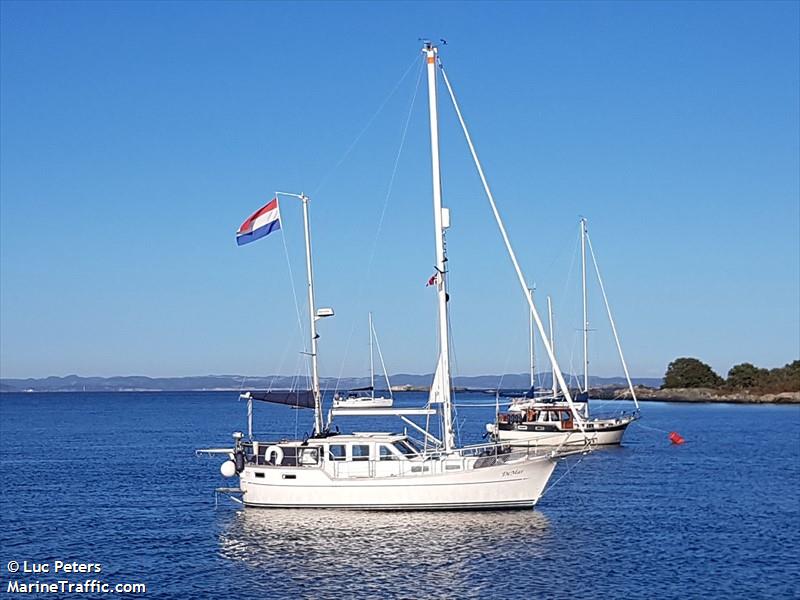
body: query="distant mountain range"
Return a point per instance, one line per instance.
(135, 383)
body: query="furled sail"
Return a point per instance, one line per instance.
(436, 395)
(298, 398)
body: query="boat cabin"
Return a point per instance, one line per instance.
(539, 418)
(337, 448)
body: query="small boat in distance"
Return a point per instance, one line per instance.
(365, 397)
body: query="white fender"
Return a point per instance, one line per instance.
(228, 468)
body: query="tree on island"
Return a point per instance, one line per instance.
(749, 377)
(690, 373)
(746, 376)
(784, 379)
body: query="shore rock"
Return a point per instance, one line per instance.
(695, 395)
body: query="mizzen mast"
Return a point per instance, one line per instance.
(313, 315)
(312, 321)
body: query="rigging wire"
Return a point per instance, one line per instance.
(511, 346)
(353, 144)
(569, 469)
(611, 321)
(383, 364)
(389, 190)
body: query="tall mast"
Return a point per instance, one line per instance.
(440, 221)
(371, 365)
(585, 313)
(312, 320)
(552, 343)
(531, 341)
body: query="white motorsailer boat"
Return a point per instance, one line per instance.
(548, 419)
(383, 471)
(365, 397)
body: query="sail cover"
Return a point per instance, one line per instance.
(298, 398)
(436, 395)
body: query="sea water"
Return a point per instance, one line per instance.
(112, 479)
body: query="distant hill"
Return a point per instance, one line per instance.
(137, 383)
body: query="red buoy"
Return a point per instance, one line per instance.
(676, 438)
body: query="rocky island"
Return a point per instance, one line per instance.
(691, 380)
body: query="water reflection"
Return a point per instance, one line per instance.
(401, 554)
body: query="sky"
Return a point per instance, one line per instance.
(136, 137)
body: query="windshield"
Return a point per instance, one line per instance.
(406, 447)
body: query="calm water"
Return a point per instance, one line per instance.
(113, 479)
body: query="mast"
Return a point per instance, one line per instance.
(371, 365)
(312, 320)
(441, 218)
(585, 313)
(531, 340)
(552, 344)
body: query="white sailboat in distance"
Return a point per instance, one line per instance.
(365, 397)
(384, 471)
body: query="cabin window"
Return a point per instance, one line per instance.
(360, 452)
(289, 456)
(260, 475)
(387, 454)
(309, 456)
(336, 452)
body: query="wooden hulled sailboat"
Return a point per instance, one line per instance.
(548, 419)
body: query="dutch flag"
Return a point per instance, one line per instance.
(262, 222)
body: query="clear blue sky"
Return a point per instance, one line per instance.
(137, 136)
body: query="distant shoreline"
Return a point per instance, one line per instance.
(643, 394)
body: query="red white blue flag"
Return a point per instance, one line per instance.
(262, 222)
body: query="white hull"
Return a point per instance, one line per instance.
(363, 403)
(516, 483)
(601, 433)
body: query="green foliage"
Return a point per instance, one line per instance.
(746, 376)
(690, 373)
(782, 379)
